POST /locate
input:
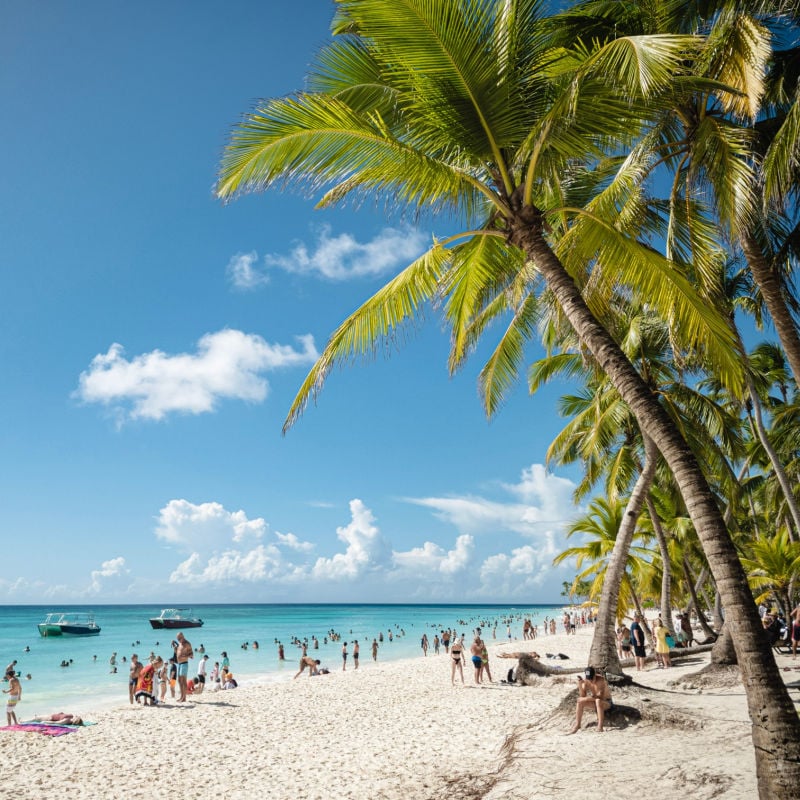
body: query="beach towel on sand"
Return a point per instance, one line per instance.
(48, 729)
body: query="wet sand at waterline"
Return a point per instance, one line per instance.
(400, 730)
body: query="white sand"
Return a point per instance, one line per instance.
(400, 730)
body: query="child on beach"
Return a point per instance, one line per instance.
(14, 693)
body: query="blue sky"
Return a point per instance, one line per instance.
(153, 340)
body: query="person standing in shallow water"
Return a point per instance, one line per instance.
(344, 656)
(374, 649)
(356, 652)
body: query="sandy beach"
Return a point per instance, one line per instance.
(400, 730)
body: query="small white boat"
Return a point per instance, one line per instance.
(59, 623)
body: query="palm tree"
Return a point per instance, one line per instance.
(773, 568)
(462, 105)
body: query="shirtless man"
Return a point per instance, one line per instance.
(311, 663)
(593, 692)
(136, 668)
(183, 652)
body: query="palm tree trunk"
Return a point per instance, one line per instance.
(777, 465)
(693, 589)
(603, 653)
(775, 724)
(666, 568)
(771, 287)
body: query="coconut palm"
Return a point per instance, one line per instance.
(773, 569)
(462, 105)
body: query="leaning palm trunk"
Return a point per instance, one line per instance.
(693, 589)
(772, 291)
(777, 464)
(775, 725)
(603, 653)
(666, 568)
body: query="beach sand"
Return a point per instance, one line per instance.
(400, 730)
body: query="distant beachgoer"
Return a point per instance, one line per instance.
(424, 644)
(12, 667)
(436, 643)
(173, 676)
(457, 657)
(163, 677)
(552, 626)
(374, 650)
(593, 692)
(182, 655)
(638, 642)
(344, 656)
(356, 653)
(485, 661)
(686, 628)
(135, 669)
(226, 663)
(311, 663)
(662, 646)
(446, 640)
(14, 693)
(145, 683)
(477, 662)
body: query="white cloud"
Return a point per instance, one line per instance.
(227, 364)
(206, 527)
(433, 558)
(341, 257)
(113, 568)
(259, 564)
(366, 548)
(243, 274)
(293, 543)
(519, 573)
(546, 505)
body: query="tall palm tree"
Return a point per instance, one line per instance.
(462, 105)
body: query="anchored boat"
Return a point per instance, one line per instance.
(176, 618)
(68, 624)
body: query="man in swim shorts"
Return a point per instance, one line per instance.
(183, 652)
(593, 692)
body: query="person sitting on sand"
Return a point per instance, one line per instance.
(311, 663)
(593, 692)
(61, 718)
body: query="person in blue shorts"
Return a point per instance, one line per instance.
(183, 652)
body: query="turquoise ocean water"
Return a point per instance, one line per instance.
(88, 683)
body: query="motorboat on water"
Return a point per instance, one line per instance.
(176, 618)
(59, 623)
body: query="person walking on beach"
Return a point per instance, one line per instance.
(457, 656)
(183, 653)
(344, 656)
(374, 650)
(593, 692)
(356, 651)
(424, 644)
(136, 668)
(14, 693)
(446, 640)
(436, 644)
(662, 646)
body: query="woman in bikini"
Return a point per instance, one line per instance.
(457, 657)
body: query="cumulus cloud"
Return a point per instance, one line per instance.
(366, 548)
(243, 272)
(259, 564)
(431, 558)
(206, 526)
(293, 543)
(518, 573)
(113, 568)
(543, 503)
(342, 257)
(227, 364)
